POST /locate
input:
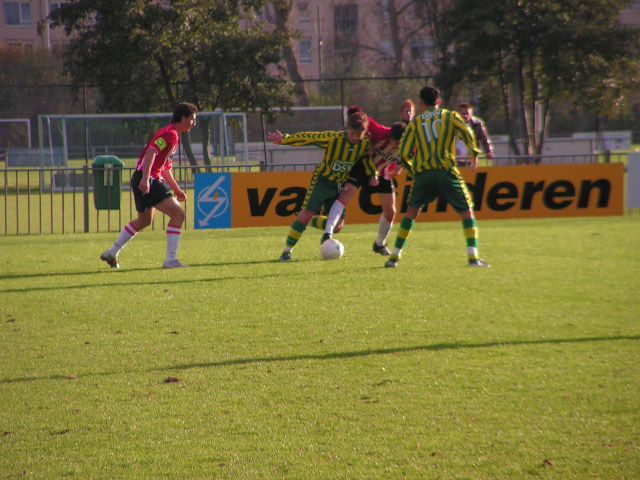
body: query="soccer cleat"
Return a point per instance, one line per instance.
(110, 258)
(285, 257)
(381, 249)
(325, 236)
(173, 264)
(478, 263)
(391, 263)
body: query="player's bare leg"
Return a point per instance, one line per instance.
(387, 201)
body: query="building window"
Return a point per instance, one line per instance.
(345, 19)
(421, 48)
(386, 47)
(304, 51)
(384, 11)
(54, 6)
(305, 12)
(17, 13)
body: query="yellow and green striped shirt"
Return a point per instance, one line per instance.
(429, 141)
(339, 153)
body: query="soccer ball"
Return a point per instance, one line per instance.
(331, 249)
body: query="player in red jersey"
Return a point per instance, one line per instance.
(384, 142)
(150, 192)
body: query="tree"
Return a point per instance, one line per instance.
(150, 55)
(27, 87)
(540, 50)
(281, 12)
(395, 22)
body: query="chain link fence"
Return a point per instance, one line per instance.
(379, 97)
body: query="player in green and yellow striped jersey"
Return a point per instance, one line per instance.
(427, 149)
(341, 151)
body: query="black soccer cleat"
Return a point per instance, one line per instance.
(381, 249)
(285, 257)
(110, 258)
(325, 237)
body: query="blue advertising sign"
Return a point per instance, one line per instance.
(213, 200)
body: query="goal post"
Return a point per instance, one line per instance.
(125, 135)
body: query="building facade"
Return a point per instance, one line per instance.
(364, 30)
(20, 21)
(329, 31)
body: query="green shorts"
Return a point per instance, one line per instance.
(431, 184)
(321, 194)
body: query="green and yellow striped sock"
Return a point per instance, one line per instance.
(295, 232)
(406, 224)
(470, 231)
(319, 222)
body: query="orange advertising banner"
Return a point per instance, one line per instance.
(274, 198)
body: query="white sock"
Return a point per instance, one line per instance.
(334, 216)
(127, 233)
(173, 239)
(384, 227)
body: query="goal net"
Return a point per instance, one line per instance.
(83, 137)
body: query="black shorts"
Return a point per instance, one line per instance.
(158, 191)
(358, 175)
(384, 186)
(358, 178)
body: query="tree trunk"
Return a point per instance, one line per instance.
(206, 137)
(396, 43)
(282, 10)
(531, 98)
(186, 142)
(544, 112)
(524, 126)
(506, 105)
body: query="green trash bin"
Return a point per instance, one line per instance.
(107, 182)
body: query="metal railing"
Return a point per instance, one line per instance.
(48, 200)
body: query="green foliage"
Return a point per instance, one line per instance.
(137, 52)
(542, 51)
(29, 68)
(242, 367)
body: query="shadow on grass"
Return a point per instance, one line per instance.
(333, 356)
(150, 269)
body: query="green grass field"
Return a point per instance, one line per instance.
(241, 367)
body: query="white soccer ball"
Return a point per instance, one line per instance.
(331, 249)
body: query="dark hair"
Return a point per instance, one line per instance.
(353, 109)
(183, 110)
(358, 121)
(465, 105)
(429, 95)
(397, 129)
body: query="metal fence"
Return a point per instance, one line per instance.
(99, 199)
(380, 97)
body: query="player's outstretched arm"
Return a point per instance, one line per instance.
(275, 137)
